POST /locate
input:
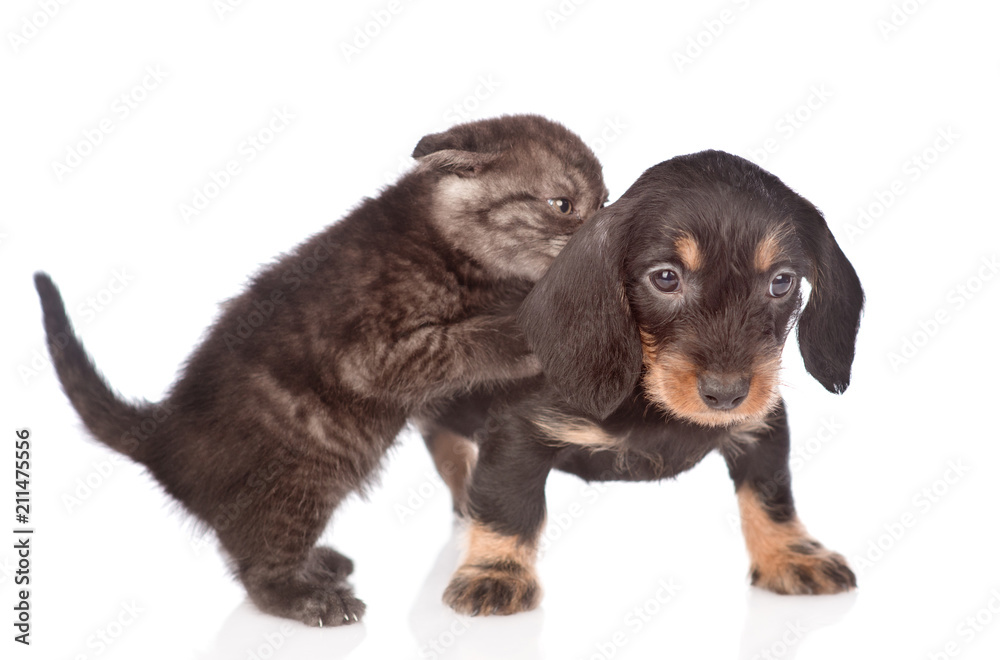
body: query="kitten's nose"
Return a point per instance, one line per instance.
(723, 392)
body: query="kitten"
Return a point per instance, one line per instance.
(306, 378)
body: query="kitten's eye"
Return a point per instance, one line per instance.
(666, 280)
(562, 205)
(781, 285)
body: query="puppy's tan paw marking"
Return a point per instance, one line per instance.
(502, 588)
(803, 567)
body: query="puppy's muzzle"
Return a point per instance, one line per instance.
(723, 391)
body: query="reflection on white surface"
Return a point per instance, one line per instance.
(776, 625)
(441, 633)
(248, 634)
(773, 626)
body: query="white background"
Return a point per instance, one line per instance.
(844, 105)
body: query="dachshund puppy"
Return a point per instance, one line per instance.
(660, 328)
(306, 378)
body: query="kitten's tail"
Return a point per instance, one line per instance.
(112, 420)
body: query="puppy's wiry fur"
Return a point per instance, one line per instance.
(660, 328)
(408, 299)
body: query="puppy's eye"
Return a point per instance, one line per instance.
(562, 205)
(781, 285)
(666, 280)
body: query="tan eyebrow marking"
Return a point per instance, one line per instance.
(768, 251)
(689, 252)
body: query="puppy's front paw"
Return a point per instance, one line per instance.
(500, 588)
(803, 567)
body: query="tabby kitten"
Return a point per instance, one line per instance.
(306, 378)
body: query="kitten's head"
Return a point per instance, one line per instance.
(511, 190)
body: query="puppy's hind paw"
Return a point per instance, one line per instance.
(804, 567)
(499, 588)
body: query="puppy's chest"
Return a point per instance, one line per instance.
(674, 445)
(639, 443)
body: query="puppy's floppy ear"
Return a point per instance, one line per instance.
(829, 323)
(578, 322)
(447, 151)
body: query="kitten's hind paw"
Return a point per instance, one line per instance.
(332, 562)
(321, 604)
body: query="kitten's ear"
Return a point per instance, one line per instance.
(829, 323)
(446, 151)
(578, 321)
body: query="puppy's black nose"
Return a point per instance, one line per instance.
(723, 392)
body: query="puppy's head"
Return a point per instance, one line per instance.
(510, 191)
(691, 282)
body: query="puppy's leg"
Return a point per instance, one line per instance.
(454, 457)
(507, 506)
(784, 558)
(447, 432)
(497, 575)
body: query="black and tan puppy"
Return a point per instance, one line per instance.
(660, 329)
(307, 377)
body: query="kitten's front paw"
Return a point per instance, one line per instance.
(501, 588)
(803, 567)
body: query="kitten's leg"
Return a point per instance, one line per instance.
(784, 558)
(507, 507)
(434, 361)
(272, 544)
